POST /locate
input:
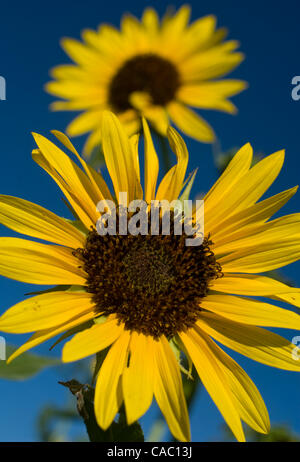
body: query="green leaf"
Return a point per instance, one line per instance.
(61, 288)
(25, 366)
(97, 159)
(78, 225)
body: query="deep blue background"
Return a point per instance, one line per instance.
(268, 117)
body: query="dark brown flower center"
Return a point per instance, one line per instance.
(148, 73)
(154, 284)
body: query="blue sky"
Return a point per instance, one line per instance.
(268, 118)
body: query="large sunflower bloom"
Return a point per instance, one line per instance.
(146, 298)
(148, 68)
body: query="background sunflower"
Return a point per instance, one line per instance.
(152, 68)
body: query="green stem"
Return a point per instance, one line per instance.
(117, 432)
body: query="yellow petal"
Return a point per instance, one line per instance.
(198, 36)
(35, 221)
(130, 121)
(150, 20)
(72, 105)
(140, 100)
(251, 284)
(211, 95)
(226, 183)
(292, 298)
(254, 215)
(174, 25)
(119, 156)
(213, 378)
(85, 122)
(214, 62)
(45, 311)
(71, 174)
(134, 141)
(259, 259)
(107, 41)
(37, 263)
(97, 183)
(111, 35)
(216, 90)
(138, 377)
(92, 340)
(245, 396)
(82, 54)
(89, 94)
(151, 165)
(108, 393)
(43, 335)
(190, 123)
(77, 206)
(251, 312)
(93, 140)
(100, 182)
(67, 72)
(172, 183)
(255, 343)
(249, 188)
(168, 390)
(133, 34)
(158, 117)
(283, 229)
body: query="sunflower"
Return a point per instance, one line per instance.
(148, 300)
(150, 68)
